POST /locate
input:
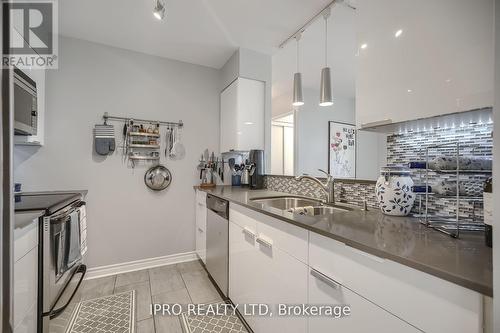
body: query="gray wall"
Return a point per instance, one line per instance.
(496, 171)
(311, 130)
(126, 221)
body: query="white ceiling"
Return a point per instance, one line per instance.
(204, 32)
(342, 48)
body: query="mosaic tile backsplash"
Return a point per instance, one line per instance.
(475, 139)
(346, 191)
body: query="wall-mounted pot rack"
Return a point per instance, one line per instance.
(136, 143)
(107, 117)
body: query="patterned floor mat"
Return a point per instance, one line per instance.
(210, 323)
(108, 314)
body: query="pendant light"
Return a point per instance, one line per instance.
(298, 98)
(325, 92)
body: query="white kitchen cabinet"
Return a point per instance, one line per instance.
(243, 262)
(441, 61)
(201, 225)
(242, 106)
(25, 275)
(364, 316)
(261, 272)
(407, 293)
(287, 237)
(282, 280)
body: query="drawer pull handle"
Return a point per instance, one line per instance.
(200, 229)
(329, 281)
(249, 232)
(264, 242)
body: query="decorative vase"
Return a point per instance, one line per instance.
(394, 191)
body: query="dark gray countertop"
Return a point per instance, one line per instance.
(50, 201)
(465, 261)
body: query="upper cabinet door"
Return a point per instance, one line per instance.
(418, 59)
(242, 115)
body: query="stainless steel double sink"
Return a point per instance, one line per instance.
(295, 204)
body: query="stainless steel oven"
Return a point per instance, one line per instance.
(61, 267)
(25, 104)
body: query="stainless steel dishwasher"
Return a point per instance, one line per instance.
(218, 241)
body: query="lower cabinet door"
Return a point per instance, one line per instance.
(243, 268)
(201, 228)
(364, 316)
(261, 274)
(282, 281)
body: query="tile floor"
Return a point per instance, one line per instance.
(180, 283)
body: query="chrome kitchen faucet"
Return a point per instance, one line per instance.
(328, 187)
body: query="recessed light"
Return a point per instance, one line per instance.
(398, 33)
(409, 90)
(248, 123)
(447, 80)
(364, 46)
(326, 104)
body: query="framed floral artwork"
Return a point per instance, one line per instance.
(341, 150)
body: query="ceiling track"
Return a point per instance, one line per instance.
(312, 19)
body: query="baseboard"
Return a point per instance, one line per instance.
(138, 265)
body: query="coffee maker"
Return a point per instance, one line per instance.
(256, 160)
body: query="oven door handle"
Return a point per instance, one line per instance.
(53, 313)
(66, 212)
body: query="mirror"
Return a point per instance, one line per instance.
(311, 137)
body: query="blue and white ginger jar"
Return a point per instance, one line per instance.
(394, 191)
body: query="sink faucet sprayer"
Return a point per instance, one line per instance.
(327, 187)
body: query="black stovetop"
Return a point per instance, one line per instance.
(50, 202)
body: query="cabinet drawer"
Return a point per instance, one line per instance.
(201, 216)
(427, 302)
(201, 197)
(364, 315)
(287, 237)
(243, 217)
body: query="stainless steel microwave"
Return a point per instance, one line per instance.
(25, 104)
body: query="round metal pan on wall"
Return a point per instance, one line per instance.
(158, 178)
